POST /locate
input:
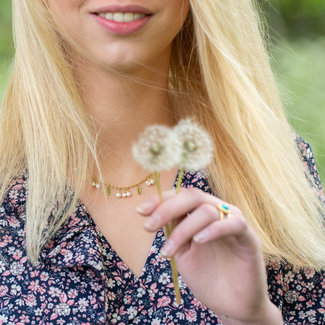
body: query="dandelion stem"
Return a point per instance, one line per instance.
(179, 180)
(169, 229)
(159, 187)
(175, 280)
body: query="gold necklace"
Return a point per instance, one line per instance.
(123, 191)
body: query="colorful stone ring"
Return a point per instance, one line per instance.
(224, 211)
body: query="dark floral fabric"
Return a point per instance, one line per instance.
(81, 279)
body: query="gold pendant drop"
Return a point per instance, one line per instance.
(150, 181)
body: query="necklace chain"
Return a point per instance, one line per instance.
(123, 191)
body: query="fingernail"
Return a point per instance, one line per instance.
(144, 207)
(168, 249)
(153, 222)
(201, 237)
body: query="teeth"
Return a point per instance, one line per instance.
(121, 17)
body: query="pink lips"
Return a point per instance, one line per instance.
(123, 28)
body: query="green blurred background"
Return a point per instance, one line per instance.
(297, 34)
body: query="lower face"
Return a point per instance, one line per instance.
(120, 35)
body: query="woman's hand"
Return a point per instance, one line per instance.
(220, 261)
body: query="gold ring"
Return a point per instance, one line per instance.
(224, 211)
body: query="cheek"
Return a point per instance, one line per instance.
(178, 12)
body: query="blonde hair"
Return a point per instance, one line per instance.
(219, 73)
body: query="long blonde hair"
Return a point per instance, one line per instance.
(219, 73)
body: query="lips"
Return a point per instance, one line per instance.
(129, 8)
(123, 20)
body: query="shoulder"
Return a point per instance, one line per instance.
(298, 293)
(12, 217)
(13, 204)
(307, 157)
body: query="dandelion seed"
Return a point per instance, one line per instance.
(196, 144)
(157, 149)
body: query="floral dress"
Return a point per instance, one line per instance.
(82, 280)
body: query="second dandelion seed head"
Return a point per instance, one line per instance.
(197, 146)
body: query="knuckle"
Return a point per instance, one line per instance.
(242, 223)
(194, 190)
(207, 209)
(195, 194)
(236, 210)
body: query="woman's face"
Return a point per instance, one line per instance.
(120, 34)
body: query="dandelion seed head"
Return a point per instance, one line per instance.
(157, 149)
(196, 143)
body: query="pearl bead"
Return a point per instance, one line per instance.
(97, 186)
(124, 195)
(128, 194)
(118, 195)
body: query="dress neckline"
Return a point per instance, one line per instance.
(159, 237)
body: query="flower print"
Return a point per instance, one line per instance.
(196, 143)
(83, 303)
(17, 268)
(3, 319)
(140, 292)
(33, 286)
(38, 312)
(55, 292)
(190, 315)
(73, 293)
(30, 300)
(110, 283)
(132, 311)
(15, 289)
(11, 250)
(44, 276)
(63, 309)
(68, 255)
(50, 305)
(157, 149)
(95, 286)
(24, 319)
(164, 278)
(111, 295)
(310, 285)
(164, 301)
(180, 315)
(5, 240)
(2, 266)
(17, 255)
(127, 299)
(155, 321)
(3, 290)
(74, 277)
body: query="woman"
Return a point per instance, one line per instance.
(88, 77)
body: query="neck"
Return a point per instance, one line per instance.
(122, 106)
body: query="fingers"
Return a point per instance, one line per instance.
(200, 218)
(203, 228)
(148, 206)
(217, 230)
(202, 223)
(175, 206)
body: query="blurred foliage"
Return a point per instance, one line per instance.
(297, 17)
(299, 66)
(297, 29)
(5, 28)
